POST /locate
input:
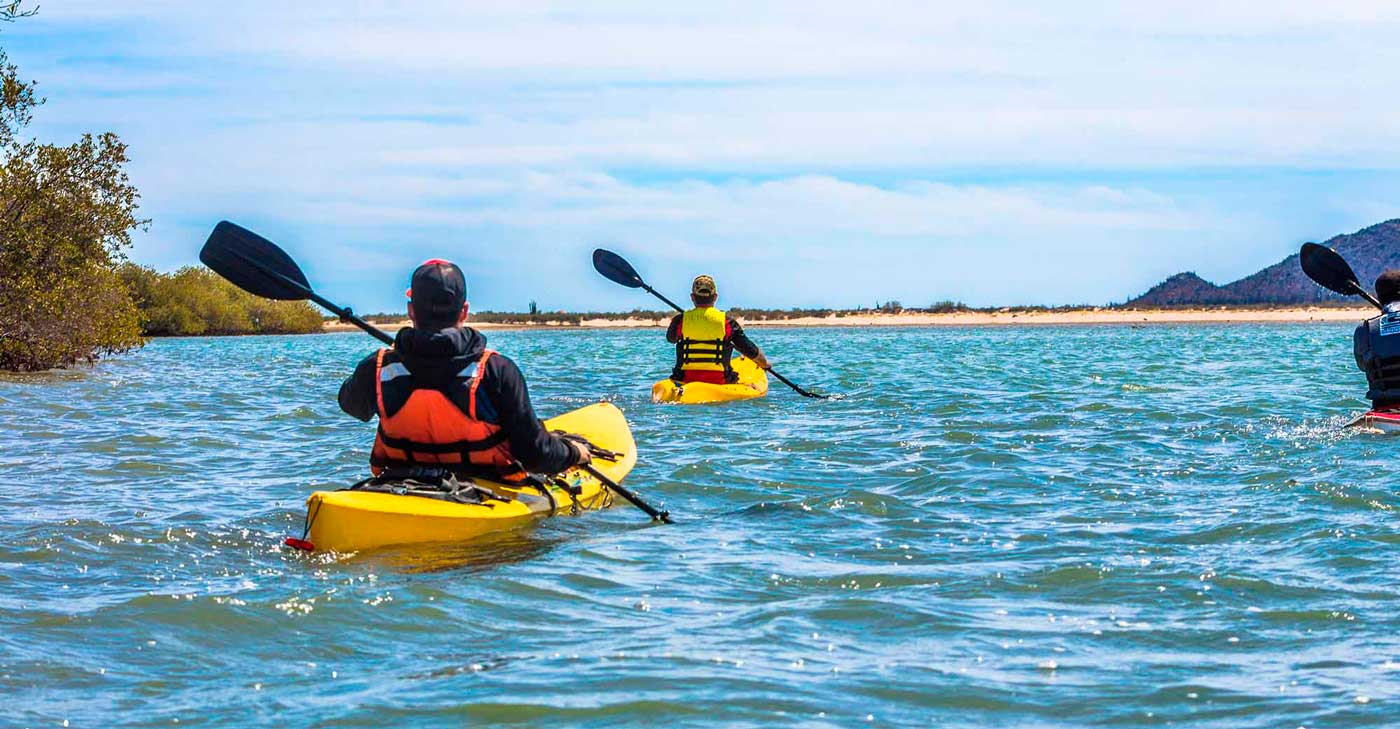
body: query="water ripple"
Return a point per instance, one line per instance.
(1026, 527)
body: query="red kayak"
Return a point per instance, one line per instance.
(1386, 421)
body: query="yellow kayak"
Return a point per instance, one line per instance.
(753, 382)
(352, 521)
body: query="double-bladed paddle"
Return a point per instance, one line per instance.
(1332, 272)
(256, 265)
(615, 268)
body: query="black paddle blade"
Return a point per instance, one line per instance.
(616, 269)
(254, 263)
(1329, 269)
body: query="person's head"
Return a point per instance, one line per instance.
(437, 295)
(703, 291)
(1388, 287)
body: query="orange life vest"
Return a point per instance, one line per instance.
(430, 429)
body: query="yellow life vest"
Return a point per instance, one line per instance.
(704, 341)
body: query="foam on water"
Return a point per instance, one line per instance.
(1016, 526)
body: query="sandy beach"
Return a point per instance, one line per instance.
(995, 318)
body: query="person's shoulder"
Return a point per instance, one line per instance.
(500, 358)
(500, 364)
(1363, 330)
(371, 360)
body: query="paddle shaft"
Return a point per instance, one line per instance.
(341, 311)
(1367, 295)
(658, 295)
(662, 516)
(795, 387)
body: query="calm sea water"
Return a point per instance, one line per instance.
(1106, 526)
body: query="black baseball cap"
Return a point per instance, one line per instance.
(437, 290)
(1388, 286)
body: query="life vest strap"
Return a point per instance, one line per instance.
(476, 382)
(1384, 374)
(701, 351)
(505, 474)
(462, 446)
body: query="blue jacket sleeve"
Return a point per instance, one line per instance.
(357, 396)
(1361, 346)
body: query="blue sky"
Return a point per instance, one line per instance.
(806, 154)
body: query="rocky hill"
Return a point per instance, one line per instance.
(1370, 251)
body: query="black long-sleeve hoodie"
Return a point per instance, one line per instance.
(435, 358)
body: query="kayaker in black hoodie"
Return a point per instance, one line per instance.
(444, 399)
(1377, 345)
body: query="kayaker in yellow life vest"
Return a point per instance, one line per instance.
(446, 401)
(706, 338)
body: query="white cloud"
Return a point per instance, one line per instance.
(1028, 153)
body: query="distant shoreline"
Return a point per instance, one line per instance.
(1008, 317)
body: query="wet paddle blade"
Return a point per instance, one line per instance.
(253, 263)
(1328, 269)
(616, 269)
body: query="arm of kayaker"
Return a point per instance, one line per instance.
(745, 345)
(538, 450)
(357, 392)
(1361, 346)
(673, 332)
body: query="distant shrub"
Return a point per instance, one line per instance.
(948, 307)
(195, 300)
(382, 318)
(779, 314)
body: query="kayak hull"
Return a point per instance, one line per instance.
(1384, 421)
(753, 383)
(354, 521)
